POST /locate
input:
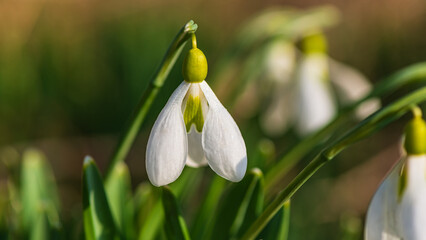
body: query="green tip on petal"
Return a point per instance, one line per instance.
(194, 67)
(402, 183)
(415, 135)
(314, 43)
(193, 113)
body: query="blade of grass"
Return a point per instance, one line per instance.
(370, 125)
(239, 206)
(97, 217)
(277, 228)
(154, 215)
(175, 225)
(39, 196)
(203, 219)
(132, 129)
(40, 230)
(119, 193)
(254, 209)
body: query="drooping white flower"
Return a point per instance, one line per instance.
(304, 96)
(280, 63)
(316, 105)
(194, 129)
(398, 208)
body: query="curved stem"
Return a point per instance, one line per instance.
(370, 125)
(149, 95)
(194, 40)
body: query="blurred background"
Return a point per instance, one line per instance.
(72, 72)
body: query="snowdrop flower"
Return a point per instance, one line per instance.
(307, 101)
(304, 95)
(316, 103)
(194, 129)
(280, 64)
(398, 208)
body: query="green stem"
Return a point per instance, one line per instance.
(149, 95)
(409, 75)
(372, 124)
(289, 160)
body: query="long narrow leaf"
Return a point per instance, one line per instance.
(98, 221)
(239, 206)
(38, 193)
(153, 213)
(203, 218)
(119, 192)
(175, 225)
(278, 227)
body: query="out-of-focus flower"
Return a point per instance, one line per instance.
(315, 102)
(398, 208)
(305, 96)
(194, 129)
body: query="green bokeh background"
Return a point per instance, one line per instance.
(71, 73)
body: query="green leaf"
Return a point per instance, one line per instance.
(154, 216)
(39, 196)
(119, 192)
(39, 230)
(175, 225)
(277, 228)
(142, 200)
(153, 212)
(203, 218)
(97, 217)
(239, 206)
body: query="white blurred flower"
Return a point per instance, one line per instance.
(315, 102)
(398, 208)
(279, 66)
(304, 96)
(194, 129)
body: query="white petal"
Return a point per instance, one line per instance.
(167, 145)
(315, 103)
(351, 86)
(196, 156)
(222, 141)
(382, 213)
(280, 61)
(413, 203)
(392, 215)
(279, 114)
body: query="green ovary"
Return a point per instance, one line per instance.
(193, 113)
